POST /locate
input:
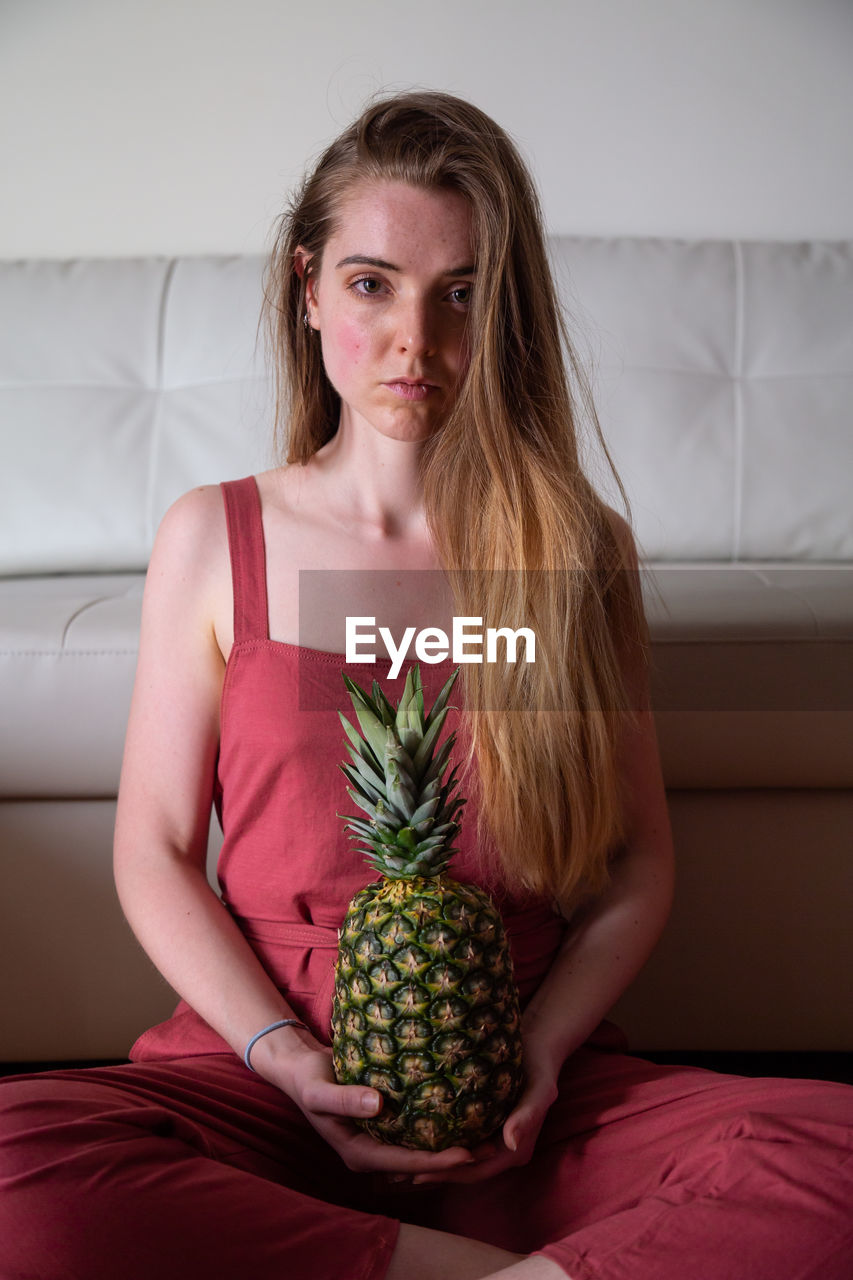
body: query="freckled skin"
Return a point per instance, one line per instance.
(376, 325)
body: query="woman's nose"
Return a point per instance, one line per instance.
(416, 328)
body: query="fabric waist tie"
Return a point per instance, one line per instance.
(296, 933)
(288, 933)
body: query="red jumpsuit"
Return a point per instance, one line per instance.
(186, 1164)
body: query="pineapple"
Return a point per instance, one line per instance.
(425, 1007)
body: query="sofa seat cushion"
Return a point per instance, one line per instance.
(68, 649)
(752, 677)
(752, 673)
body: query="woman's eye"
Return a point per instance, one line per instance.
(461, 294)
(368, 286)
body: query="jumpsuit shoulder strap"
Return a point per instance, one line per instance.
(248, 558)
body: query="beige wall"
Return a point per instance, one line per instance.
(167, 126)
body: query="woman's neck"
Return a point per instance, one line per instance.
(373, 482)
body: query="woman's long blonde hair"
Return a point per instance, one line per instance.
(519, 529)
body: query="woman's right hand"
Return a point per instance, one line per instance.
(306, 1074)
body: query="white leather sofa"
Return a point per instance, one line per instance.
(724, 378)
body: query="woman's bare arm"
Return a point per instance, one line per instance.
(609, 944)
(166, 788)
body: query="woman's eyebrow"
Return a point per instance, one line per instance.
(362, 260)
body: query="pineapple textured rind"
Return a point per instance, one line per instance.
(426, 1011)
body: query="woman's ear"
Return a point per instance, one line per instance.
(302, 260)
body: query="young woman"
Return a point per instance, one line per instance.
(429, 427)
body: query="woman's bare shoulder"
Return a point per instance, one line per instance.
(189, 571)
(194, 524)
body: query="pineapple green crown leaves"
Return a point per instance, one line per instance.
(397, 777)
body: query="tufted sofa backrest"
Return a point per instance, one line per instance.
(722, 372)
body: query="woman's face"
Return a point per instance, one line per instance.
(390, 304)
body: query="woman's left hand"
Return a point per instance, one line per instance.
(515, 1142)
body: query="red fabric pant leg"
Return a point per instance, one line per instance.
(191, 1169)
(645, 1172)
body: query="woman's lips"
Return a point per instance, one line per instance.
(411, 390)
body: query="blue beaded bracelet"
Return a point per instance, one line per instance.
(274, 1026)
